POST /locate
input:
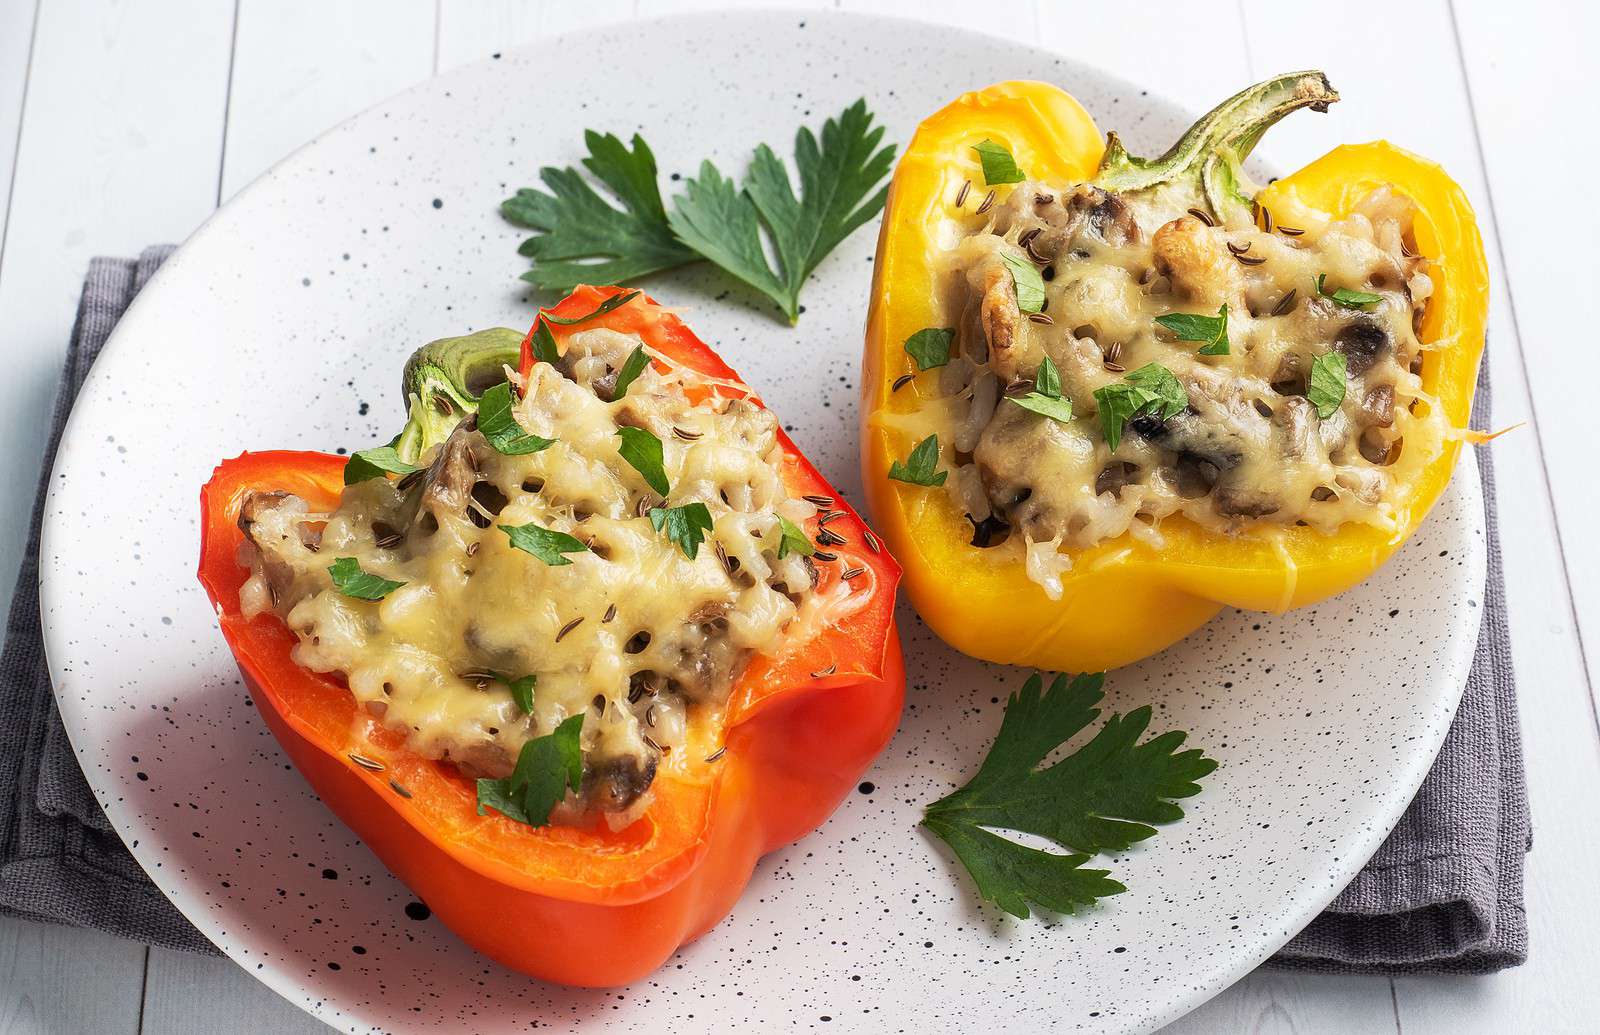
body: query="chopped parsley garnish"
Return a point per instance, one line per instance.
(1346, 297)
(1212, 331)
(793, 540)
(543, 543)
(837, 178)
(919, 466)
(349, 579)
(1029, 284)
(1046, 395)
(544, 343)
(546, 767)
(522, 692)
(643, 452)
(1102, 797)
(998, 165)
(1152, 389)
(1326, 385)
(585, 239)
(499, 424)
(616, 301)
(374, 463)
(686, 525)
(632, 367)
(930, 347)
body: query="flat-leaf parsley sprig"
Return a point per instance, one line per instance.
(585, 238)
(1102, 797)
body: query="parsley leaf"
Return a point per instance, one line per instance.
(794, 539)
(499, 424)
(544, 343)
(1059, 410)
(632, 367)
(1047, 379)
(998, 165)
(1029, 284)
(1167, 394)
(614, 302)
(585, 239)
(686, 525)
(1212, 330)
(349, 579)
(543, 543)
(724, 223)
(1346, 297)
(1105, 796)
(373, 463)
(643, 452)
(522, 692)
(1046, 395)
(1326, 385)
(930, 347)
(546, 767)
(1152, 389)
(919, 466)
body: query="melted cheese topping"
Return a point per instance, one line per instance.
(1249, 453)
(635, 633)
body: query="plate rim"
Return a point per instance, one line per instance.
(53, 589)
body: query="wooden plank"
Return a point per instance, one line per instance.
(16, 40)
(119, 148)
(61, 979)
(1122, 46)
(1527, 68)
(302, 66)
(1013, 19)
(1304, 1004)
(187, 994)
(1406, 83)
(470, 30)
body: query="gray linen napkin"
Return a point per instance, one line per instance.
(1444, 893)
(60, 860)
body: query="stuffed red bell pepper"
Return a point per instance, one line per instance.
(577, 647)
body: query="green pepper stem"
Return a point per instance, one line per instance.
(1206, 160)
(442, 383)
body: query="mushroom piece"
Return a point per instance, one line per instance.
(1361, 342)
(448, 482)
(612, 784)
(989, 531)
(484, 759)
(255, 509)
(1088, 214)
(1297, 431)
(1113, 477)
(1188, 433)
(1109, 217)
(1377, 406)
(1235, 501)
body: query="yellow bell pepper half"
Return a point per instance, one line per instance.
(1123, 599)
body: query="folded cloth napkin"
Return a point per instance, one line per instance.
(1444, 893)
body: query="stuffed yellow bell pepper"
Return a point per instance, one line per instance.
(1106, 396)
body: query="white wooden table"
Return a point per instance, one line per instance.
(125, 122)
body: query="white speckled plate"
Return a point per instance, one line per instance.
(283, 324)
